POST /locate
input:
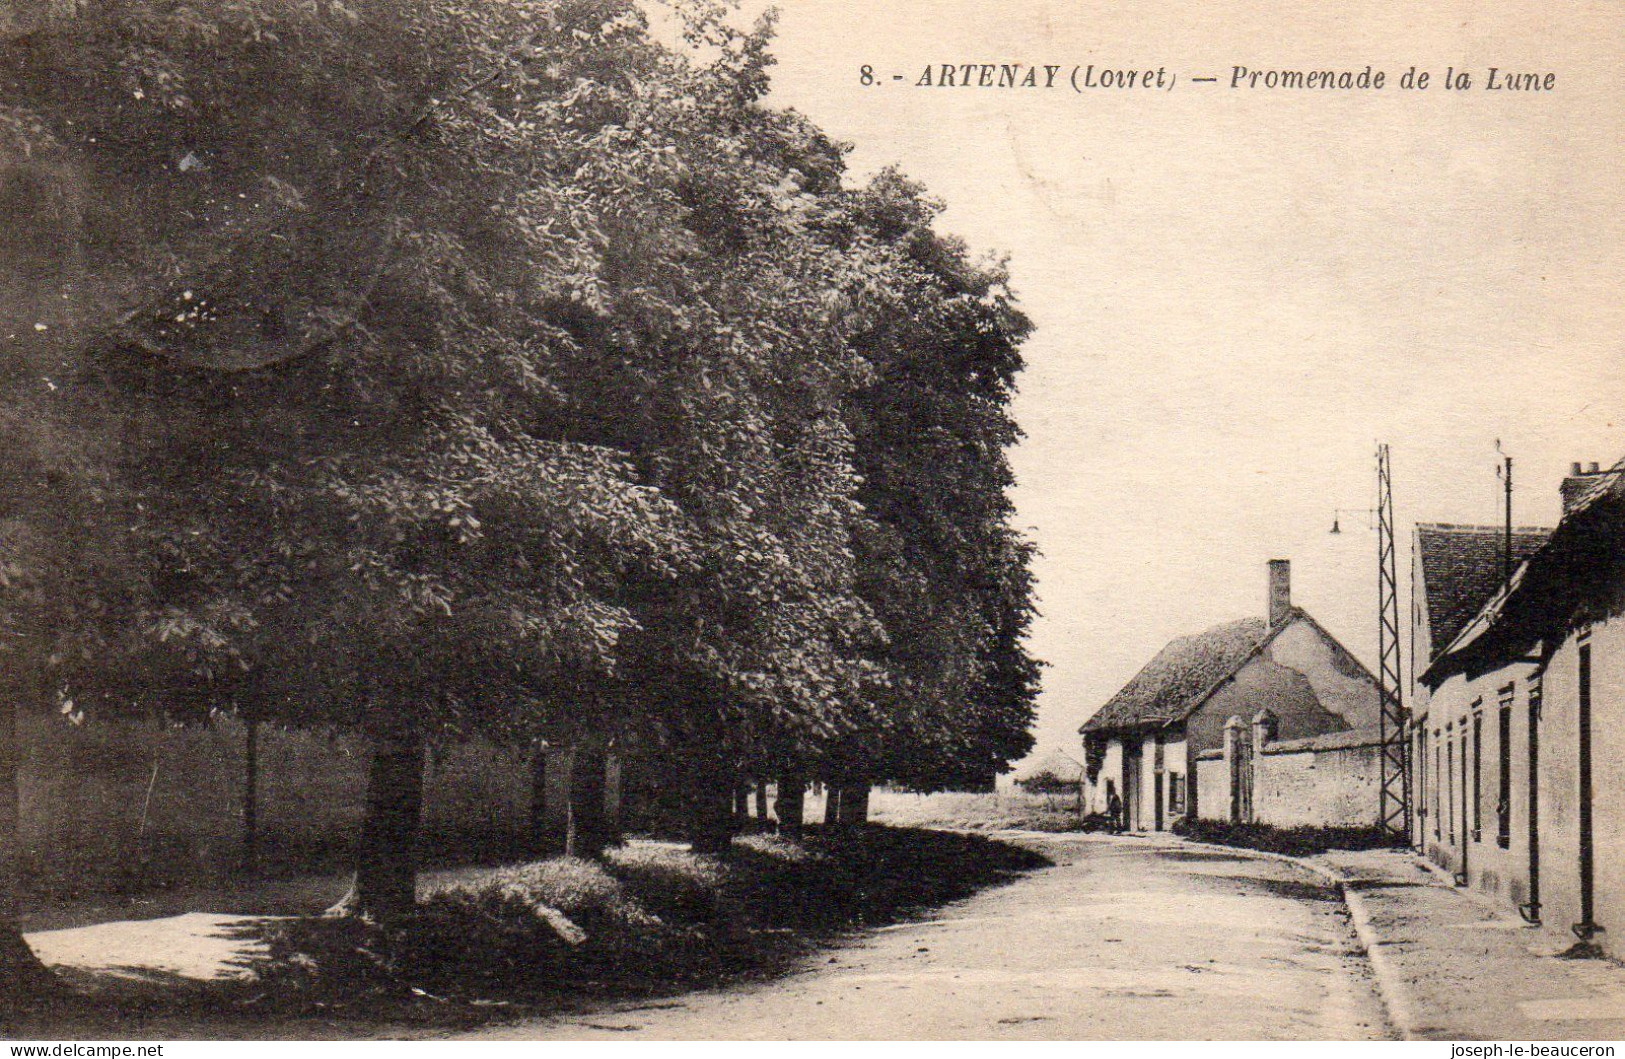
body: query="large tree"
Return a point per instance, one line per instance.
(442, 366)
(69, 590)
(943, 567)
(334, 284)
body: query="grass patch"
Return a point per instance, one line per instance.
(1294, 841)
(648, 919)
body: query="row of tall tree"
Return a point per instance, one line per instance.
(453, 367)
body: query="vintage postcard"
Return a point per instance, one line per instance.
(554, 520)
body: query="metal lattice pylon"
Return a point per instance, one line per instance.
(1395, 800)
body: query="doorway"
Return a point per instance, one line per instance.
(1133, 792)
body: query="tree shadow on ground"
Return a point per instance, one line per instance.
(1197, 856)
(650, 920)
(1292, 889)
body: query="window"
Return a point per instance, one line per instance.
(1176, 793)
(1478, 775)
(1503, 799)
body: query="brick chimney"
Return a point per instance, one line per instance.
(1280, 591)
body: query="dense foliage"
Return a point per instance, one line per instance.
(433, 366)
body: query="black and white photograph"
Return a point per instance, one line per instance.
(718, 520)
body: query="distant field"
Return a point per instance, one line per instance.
(976, 812)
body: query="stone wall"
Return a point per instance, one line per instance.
(117, 805)
(1328, 780)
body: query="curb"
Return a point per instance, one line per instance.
(1391, 988)
(1390, 985)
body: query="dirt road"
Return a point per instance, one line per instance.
(1123, 938)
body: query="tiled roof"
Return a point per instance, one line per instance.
(1180, 676)
(1576, 489)
(1462, 567)
(1575, 578)
(1592, 488)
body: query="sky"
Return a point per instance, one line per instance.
(1238, 293)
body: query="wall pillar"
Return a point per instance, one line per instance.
(1265, 725)
(1236, 751)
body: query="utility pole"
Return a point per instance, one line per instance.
(1395, 800)
(1506, 481)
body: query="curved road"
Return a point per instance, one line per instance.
(1124, 938)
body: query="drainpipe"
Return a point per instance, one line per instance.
(1463, 877)
(1531, 911)
(1419, 768)
(1587, 928)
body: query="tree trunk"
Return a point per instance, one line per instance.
(615, 772)
(854, 803)
(761, 799)
(22, 974)
(832, 804)
(587, 831)
(742, 801)
(791, 805)
(711, 822)
(544, 837)
(251, 790)
(385, 884)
